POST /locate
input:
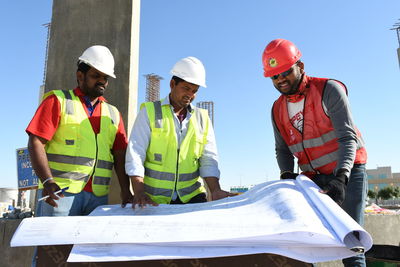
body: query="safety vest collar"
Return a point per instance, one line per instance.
(78, 92)
(158, 110)
(158, 120)
(166, 101)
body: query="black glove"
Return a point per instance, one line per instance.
(288, 175)
(336, 188)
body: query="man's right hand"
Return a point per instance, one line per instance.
(48, 190)
(288, 175)
(142, 199)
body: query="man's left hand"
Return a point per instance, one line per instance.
(336, 189)
(218, 194)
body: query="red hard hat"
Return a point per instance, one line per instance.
(279, 56)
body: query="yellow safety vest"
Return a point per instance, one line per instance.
(75, 153)
(168, 169)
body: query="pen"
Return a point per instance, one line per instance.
(57, 192)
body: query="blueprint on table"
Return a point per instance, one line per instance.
(287, 217)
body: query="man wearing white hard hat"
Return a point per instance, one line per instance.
(76, 139)
(172, 145)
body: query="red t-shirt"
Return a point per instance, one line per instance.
(47, 117)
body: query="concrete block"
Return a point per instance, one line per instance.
(12, 257)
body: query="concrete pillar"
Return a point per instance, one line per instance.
(78, 24)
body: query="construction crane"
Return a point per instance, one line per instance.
(152, 87)
(396, 27)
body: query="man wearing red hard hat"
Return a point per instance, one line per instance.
(312, 121)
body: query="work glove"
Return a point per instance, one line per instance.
(336, 188)
(288, 175)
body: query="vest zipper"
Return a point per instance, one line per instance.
(95, 160)
(305, 153)
(177, 160)
(177, 173)
(302, 136)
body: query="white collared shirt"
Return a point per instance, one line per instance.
(140, 138)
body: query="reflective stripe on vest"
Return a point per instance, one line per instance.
(319, 162)
(70, 175)
(70, 159)
(190, 189)
(154, 191)
(166, 176)
(315, 142)
(163, 172)
(75, 152)
(189, 176)
(99, 180)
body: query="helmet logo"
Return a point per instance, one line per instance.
(272, 62)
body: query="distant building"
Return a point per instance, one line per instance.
(208, 105)
(382, 177)
(240, 189)
(8, 197)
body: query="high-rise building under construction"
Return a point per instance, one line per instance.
(152, 87)
(209, 105)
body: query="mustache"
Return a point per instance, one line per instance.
(100, 84)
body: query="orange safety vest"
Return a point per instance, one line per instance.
(316, 148)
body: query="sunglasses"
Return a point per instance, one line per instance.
(283, 74)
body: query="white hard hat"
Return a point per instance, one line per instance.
(100, 58)
(191, 70)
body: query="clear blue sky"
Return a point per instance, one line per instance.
(346, 40)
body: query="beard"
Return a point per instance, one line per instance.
(291, 87)
(185, 102)
(95, 91)
(99, 89)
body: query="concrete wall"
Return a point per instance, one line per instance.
(384, 230)
(11, 257)
(78, 24)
